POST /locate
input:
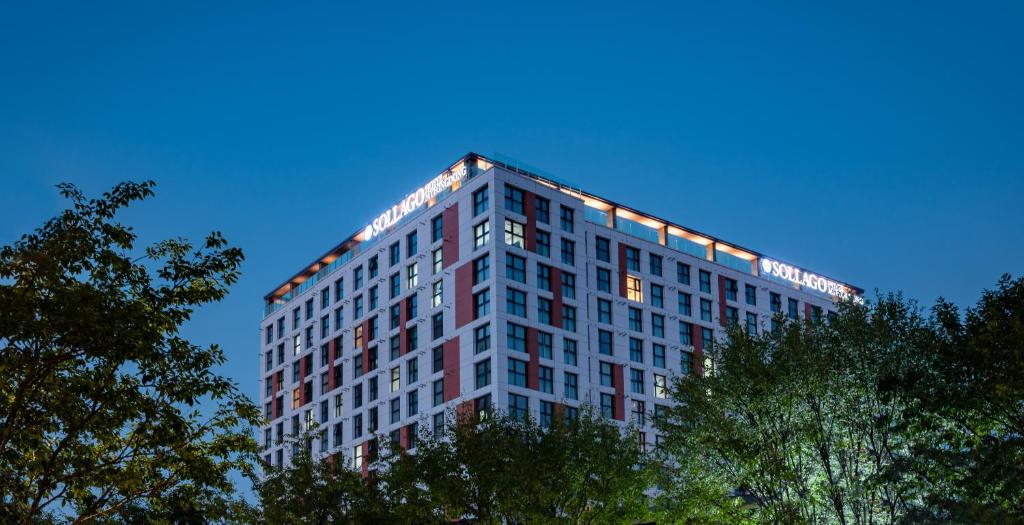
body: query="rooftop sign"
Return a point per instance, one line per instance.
(413, 201)
(810, 280)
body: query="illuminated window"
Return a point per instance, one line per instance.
(481, 234)
(438, 261)
(634, 289)
(298, 345)
(357, 456)
(437, 296)
(660, 387)
(412, 277)
(514, 234)
(296, 397)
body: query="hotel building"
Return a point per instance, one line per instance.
(492, 286)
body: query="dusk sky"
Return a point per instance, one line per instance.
(878, 143)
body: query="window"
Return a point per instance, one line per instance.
(438, 424)
(705, 310)
(309, 309)
(606, 374)
(412, 370)
(732, 315)
(544, 340)
(543, 310)
(437, 360)
(436, 261)
(604, 342)
(685, 333)
(604, 280)
(636, 350)
(607, 406)
(569, 351)
(568, 285)
(750, 292)
(775, 301)
(546, 379)
(636, 320)
(639, 414)
(793, 309)
(632, 259)
(374, 297)
(437, 388)
(481, 234)
(515, 268)
(572, 389)
(480, 201)
(482, 406)
(394, 254)
(658, 350)
(280, 326)
(568, 252)
(514, 234)
(481, 304)
(516, 372)
(297, 346)
(412, 338)
(517, 406)
(437, 326)
(707, 339)
(436, 228)
(395, 344)
(412, 277)
(394, 285)
(655, 264)
(657, 296)
(357, 278)
(544, 277)
(325, 326)
(602, 247)
(396, 410)
(815, 313)
(566, 219)
(296, 319)
(513, 199)
(568, 318)
(410, 244)
(482, 338)
(325, 301)
(751, 323)
(660, 386)
(373, 267)
(636, 381)
(705, 281)
(481, 269)
(543, 207)
(731, 289)
(516, 337)
(634, 289)
(686, 363)
(411, 307)
(657, 325)
(412, 401)
(683, 273)
(483, 373)
(436, 294)
(547, 413)
(515, 302)
(543, 243)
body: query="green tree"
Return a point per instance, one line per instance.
(502, 469)
(969, 445)
(799, 426)
(319, 491)
(99, 392)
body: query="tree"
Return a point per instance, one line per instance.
(503, 469)
(322, 491)
(799, 426)
(99, 392)
(969, 448)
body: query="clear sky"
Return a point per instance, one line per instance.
(878, 143)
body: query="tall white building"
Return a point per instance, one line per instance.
(491, 286)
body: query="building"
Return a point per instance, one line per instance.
(494, 286)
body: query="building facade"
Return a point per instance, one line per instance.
(491, 286)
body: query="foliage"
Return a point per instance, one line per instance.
(99, 396)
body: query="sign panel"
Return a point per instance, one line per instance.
(413, 201)
(810, 280)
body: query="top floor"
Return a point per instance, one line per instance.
(597, 210)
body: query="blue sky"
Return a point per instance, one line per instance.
(878, 143)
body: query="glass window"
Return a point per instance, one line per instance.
(683, 273)
(513, 199)
(657, 296)
(544, 344)
(657, 325)
(705, 281)
(604, 342)
(546, 379)
(568, 285)
(636, 320)
(481, 269)
(481, 303)
(605, 372)
(658, 353)
(607, 406)
(394, 254)
(437, 260)
(655, 264)
(481, 234)
(731, 289)
(411, 246)
(750, 293)
(636, 381)
(544, 277)
(751, 323)
(516, 372)
(705, 310)
(634, 289)
(515, 268)
(482, 338)
(636, 350)
(373, 267)
(660, 386)
(568, 318)
(569, 351)
(436, 294)
(480, 200)
(517, 406)
(571, 386)
(566, 219)
(514, 234)
(436, 228)
(543, 207)
(632, 259)
(568, 252)
(603, 249)
(483, 373)
(412, 277)
(515, 302)
(543, 310)
(604, 311)
(516, 337)
(604, 280)
(543, 243)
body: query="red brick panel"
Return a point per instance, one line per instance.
(464, 411)
(530, 210)
(721, 301)
(451, 369)
(807, 311)
(619, 378)
(366, 459)
(463, 294)
(533, 366)
(403, 437)
(450, 235)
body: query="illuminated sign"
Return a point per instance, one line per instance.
(413, 201)
(809, 280)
